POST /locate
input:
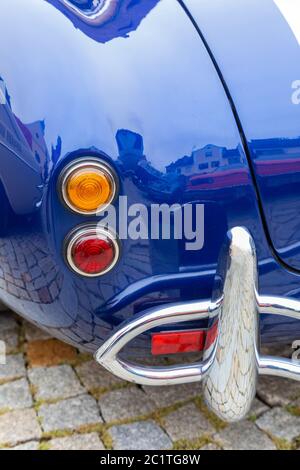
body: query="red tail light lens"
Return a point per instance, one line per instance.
(92, 251)
(93, 255)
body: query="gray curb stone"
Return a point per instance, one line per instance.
(173, 394)
(145, 435)
(126, 403)
(51, 383)
(19, 426)
(277, 391)
(69, 414)
(32, 445)
(77, 442)
(15, 395)
(187, 423)
(280, 424)
(244, 436)
(93, 376)
(13, 369)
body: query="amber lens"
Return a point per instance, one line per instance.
(89, 188)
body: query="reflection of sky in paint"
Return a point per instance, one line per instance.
(259, 58)
(291, 11)
(75, 96)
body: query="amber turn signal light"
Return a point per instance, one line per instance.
(87, 186)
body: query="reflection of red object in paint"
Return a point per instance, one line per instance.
(218, 180)
(183, 341)
(277, 167)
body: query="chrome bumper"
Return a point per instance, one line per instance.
(232, 363)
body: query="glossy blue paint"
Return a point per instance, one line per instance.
(261, 66)
(150, 103)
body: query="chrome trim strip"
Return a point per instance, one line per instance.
(107, 355)
(279, 367)
(269, 305)
(231, 365)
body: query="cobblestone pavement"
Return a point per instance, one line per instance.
(53, 397)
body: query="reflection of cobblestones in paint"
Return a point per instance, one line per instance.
(28, 271)
(90, 330)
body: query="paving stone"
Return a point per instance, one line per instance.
(257, 408)
(32, 333)
(9, 332)
(277, 391)
(296, 404)
(244, 436)
(77, 442)
(32, 445)
(15, 395)
(7, 322)
(11, 339)
(280, 424)
(19, 426)
(144, 435)
(210, 446)
(187, 423)
(173, 394)
(55, 382)
(69, 414)
(13, 369)
(93, 376)
(50, 352)
(126, 403)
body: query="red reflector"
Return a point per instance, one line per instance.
(93, 255)
(177, 342)
(183, 341)
(211, 335)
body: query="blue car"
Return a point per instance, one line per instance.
(150, 186)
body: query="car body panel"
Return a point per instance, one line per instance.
(260, 62)
(153, 106)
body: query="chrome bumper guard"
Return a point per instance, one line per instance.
(230, 365)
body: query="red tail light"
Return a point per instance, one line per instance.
(183, 341)
(92, 251)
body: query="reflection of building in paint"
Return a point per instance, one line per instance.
(15, 135)
(26, 140)
(19, 166)
(206, 159)
(276, 148)
(131, 154)
(104, 20)
(134, 162)
(131, 148)
(277, 156)
(36, 141)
